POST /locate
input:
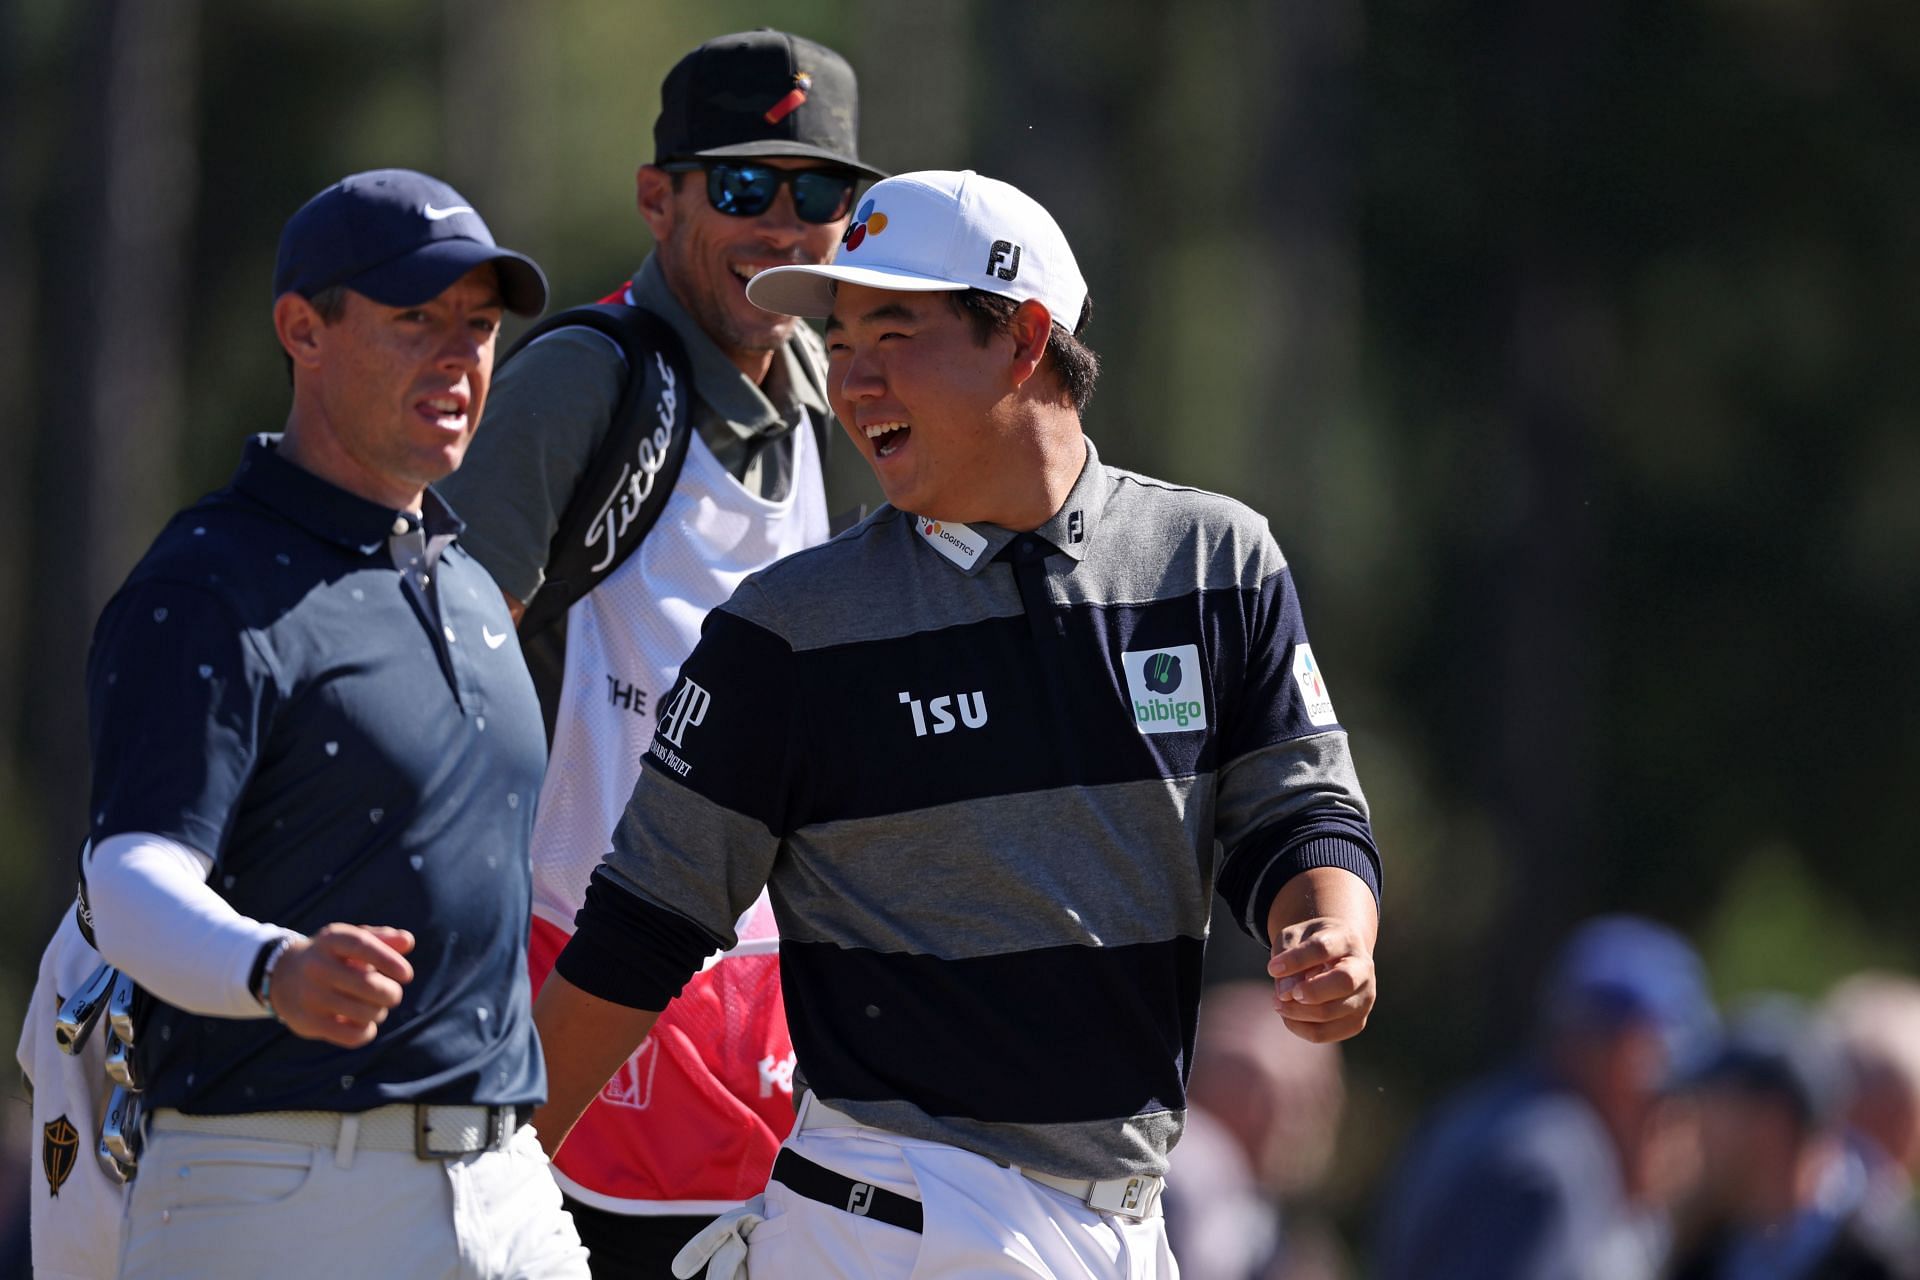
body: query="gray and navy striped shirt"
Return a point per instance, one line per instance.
(992, 781)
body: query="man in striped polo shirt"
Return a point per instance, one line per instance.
(992, 752)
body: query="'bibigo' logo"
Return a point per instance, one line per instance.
(866, 223)
(1164, 688)
(1163, 673)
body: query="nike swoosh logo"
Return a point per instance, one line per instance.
(493, 641)
(434, 215)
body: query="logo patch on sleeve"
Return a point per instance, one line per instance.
(1165, 688)
(1313, 688)
(686, 710)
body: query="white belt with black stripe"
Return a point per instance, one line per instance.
(1136, 1196)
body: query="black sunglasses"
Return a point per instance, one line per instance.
(748, 190)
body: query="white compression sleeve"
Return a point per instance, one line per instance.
(156, 918)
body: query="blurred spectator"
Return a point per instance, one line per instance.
(1783, 1195)
(1561, 1167)
(1877, 1017)
(16, 1125)
(1263, 1109)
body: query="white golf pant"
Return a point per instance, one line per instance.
(980, 1218)
(210, 1205)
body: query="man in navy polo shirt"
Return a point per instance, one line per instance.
(316, 755)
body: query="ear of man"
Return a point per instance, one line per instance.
(654, 191)
(297, 323)
(1029, 326)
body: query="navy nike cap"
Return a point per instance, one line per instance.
(400, 238)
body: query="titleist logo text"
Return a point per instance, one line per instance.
(637, 478)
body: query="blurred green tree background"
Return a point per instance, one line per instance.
(1568, 348)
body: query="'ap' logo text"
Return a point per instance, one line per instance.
(685, 710)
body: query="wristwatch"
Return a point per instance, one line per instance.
(260, 980)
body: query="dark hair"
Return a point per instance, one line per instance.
(331, 303)
(1074, 362)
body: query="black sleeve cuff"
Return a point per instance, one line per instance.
(1255, 869)
(1322, 851)
(630, 951)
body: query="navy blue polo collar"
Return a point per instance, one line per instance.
(326, 510)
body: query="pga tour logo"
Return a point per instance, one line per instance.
(1165, 689)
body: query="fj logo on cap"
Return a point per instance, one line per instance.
(1004, 259)
(868, 222)
(1165, 689)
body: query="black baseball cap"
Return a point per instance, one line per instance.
(761, 93)
(400, 238)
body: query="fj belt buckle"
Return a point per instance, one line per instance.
(1133, 1196)
(492, 1136)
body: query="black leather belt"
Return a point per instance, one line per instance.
(803, 1177)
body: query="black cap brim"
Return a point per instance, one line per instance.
(426, 272)
(801, 150)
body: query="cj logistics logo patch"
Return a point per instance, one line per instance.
(1313, 687)
(868, 222)
(955, 541)
(1165, 690)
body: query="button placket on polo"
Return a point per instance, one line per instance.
(1047, 633)
(407, 551)
(466, 652)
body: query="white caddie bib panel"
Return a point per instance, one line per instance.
(627, 638)
(691, 1121)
